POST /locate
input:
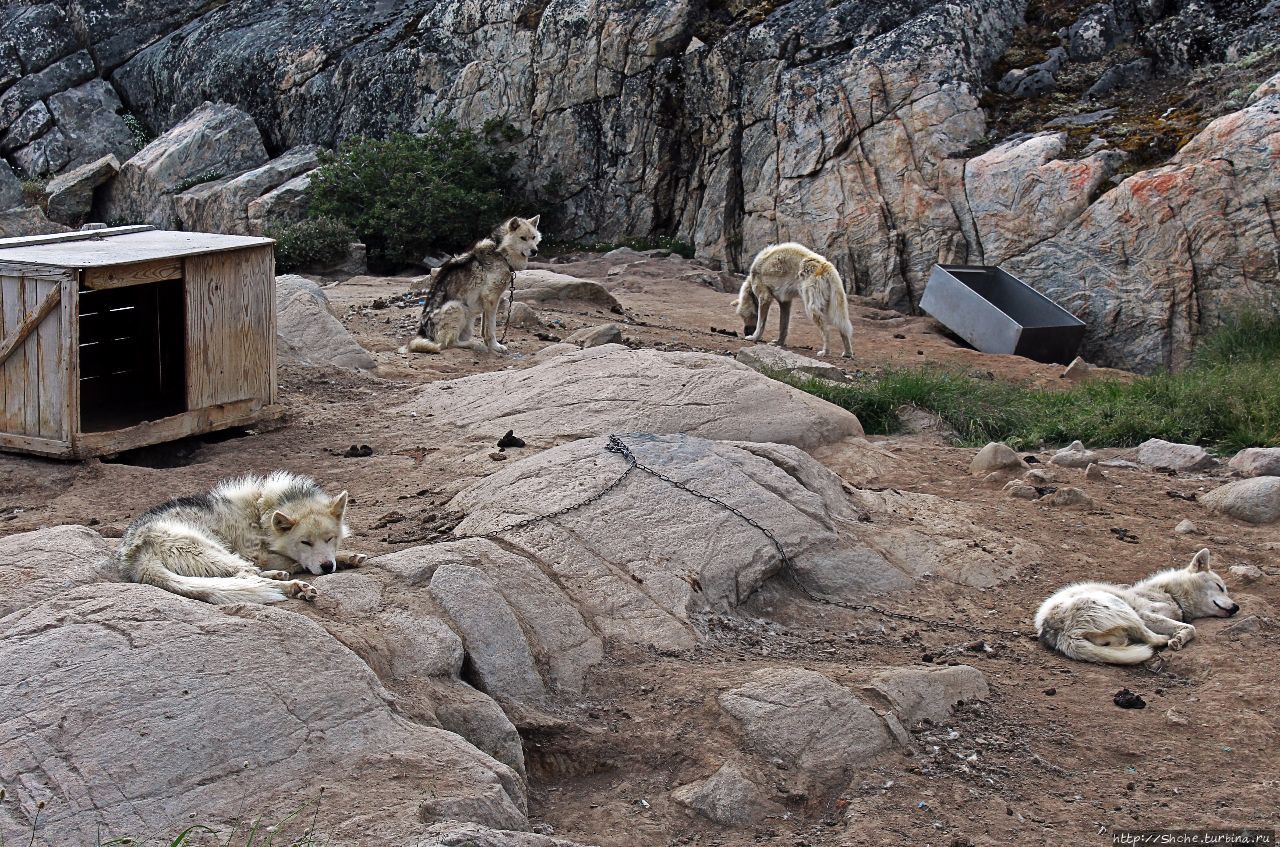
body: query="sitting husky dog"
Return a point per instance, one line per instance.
(1125, 625)
(241, 542)
(782, 272)
(472, 284)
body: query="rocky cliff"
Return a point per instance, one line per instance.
(877, 132)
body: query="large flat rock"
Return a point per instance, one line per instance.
(126, 708)
(614, 389)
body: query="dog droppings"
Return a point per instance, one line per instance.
(1126, 699)
(510, 440)
(357, 451)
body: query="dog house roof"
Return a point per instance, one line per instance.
(118, 246)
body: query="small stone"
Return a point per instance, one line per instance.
(1020, 490)
(993, 479)
(1094, 472)
(1078, 371)
(595, 336)
(1067, 497)
(1255, 500)
(1256, 461)
(1049, 692)
(1186, 527)
(497, 456)
(1038, 477)
(996, 456)
(1158, 453)
(1074, 456)
(1242, 627)
(1247, 574)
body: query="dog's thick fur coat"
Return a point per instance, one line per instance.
(471, 285)
(241, 542)
(1126, 624)
(784, 272)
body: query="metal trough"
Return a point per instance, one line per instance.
(998, 313)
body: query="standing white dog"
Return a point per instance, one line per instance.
(1125, 625)
(783, 272)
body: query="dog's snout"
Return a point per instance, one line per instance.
(333, 566)
(533, 252)
(748, 329)
(1235, 607)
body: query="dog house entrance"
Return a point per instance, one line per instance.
(132, 366)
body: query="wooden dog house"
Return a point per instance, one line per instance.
(119, 338)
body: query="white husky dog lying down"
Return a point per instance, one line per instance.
(1125, 625)
(784, 272)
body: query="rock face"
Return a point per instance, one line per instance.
(26, 220)
(300, 711)
(1254, 500)
(223, 205)
(71, 194)
(211, 142)
(613, 389)
(820, 729)
(307, 333)
(929, 693)
(10, 188)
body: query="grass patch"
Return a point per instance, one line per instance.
(1228, 399)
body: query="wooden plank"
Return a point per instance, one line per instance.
(38, 446)
(15, 367)
(44, 304)
(51, 378)
(130, 248)
(196, 422)
(118, 276)
(77, 235)
(230, 327)
(71, 356)
(31, 345)
(53, 273)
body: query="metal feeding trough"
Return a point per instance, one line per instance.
(998, 313)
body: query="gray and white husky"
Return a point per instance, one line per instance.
(1126, 624)
(240, 543)
(471, 285)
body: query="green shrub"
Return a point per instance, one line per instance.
(197, 179)
(1228, 399)
(313, 243)
(410, 195)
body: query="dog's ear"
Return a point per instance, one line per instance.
(534, 220)
(736, 303)
(513, 224)
(1200, 561)
(339, 506)
(282, 522)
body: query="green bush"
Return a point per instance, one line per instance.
(1228, 399)
(410, 195)
(313, 243)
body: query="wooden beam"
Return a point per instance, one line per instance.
(78, 235)
(29, 322)
(119, 276)
(197, 422)
(31, 444)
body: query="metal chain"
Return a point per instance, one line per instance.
(511, 300)
(616, 445)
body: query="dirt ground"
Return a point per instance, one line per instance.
(1047, 759)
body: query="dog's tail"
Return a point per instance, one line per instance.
(1085, 650)
(418, 344)
(824, 299)
(221, 589)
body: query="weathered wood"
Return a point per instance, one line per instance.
(118, 276)
(30, 343)
(195, 422)
(71, 356)
(130, 248)
(230, 327)
(45, 301)
(65, 237)
(33, 271)
(51, 379)
(15, 366)
(39, 446)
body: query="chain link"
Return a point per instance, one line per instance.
(617, 446)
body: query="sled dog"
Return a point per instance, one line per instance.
(472, 284)
(783, 272)
(241, 542)
(1126, 624)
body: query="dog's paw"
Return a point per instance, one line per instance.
(495, 347)
(354, 560)
(279, 575)
(302, 590)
